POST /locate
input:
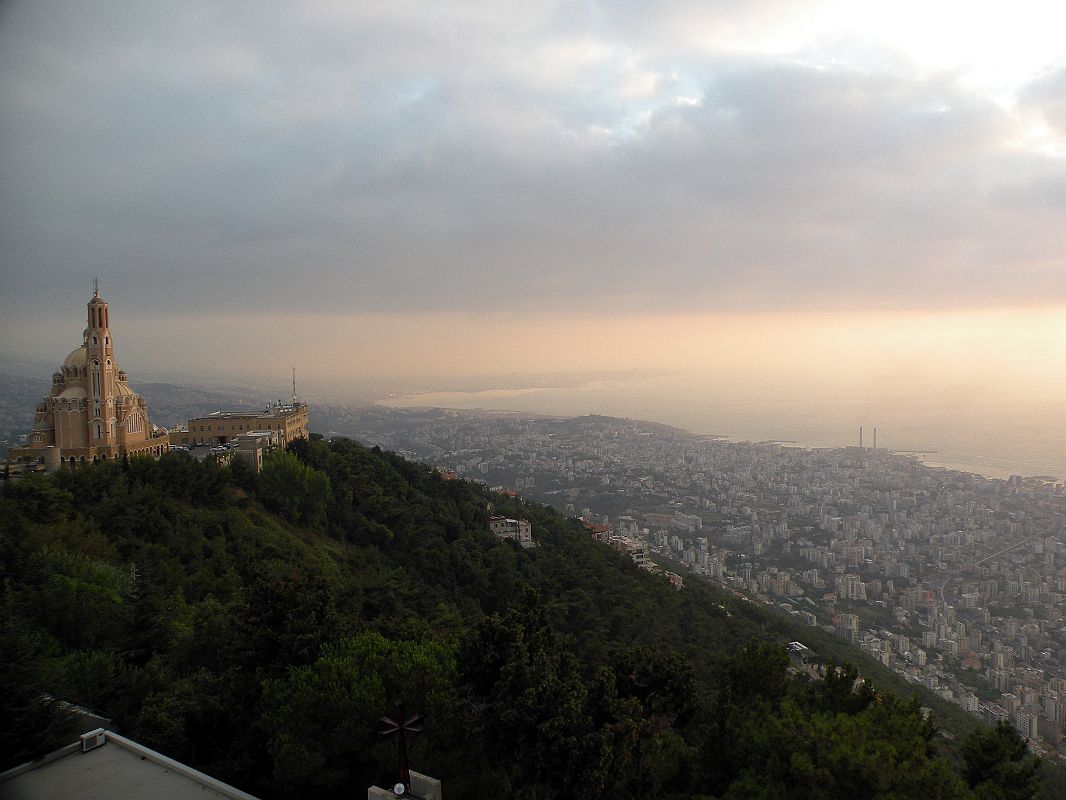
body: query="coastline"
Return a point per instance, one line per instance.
(807, 425)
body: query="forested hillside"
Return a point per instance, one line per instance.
(258, 627)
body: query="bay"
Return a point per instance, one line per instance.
(990, 428)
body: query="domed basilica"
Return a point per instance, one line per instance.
(91, 413)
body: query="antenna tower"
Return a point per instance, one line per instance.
(294, 386)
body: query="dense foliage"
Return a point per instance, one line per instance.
(257, 627)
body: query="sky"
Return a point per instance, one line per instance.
(424, 188)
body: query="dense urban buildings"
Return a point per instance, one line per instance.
(91, 413)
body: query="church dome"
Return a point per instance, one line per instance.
(77, 358)
(72, 393)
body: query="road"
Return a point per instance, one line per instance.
(957, 572)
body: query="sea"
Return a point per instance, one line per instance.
(992, 428)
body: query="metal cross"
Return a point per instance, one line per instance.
(402, 726)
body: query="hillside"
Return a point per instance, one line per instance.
(259, 627)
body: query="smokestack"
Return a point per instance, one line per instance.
(860, 437)
(875, 438)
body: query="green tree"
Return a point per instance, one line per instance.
(882, 753)
(571, 736)
(757, 674)
(664, 682)
(322, 718)
(999, 766)
(840, 691)
(34, 722)
(296, 491)
(38, 498)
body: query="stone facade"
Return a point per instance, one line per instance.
(288, 420)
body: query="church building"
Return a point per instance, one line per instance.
(91, 414)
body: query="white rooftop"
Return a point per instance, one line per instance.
(117, 769)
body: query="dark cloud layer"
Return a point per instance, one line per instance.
(334, 157)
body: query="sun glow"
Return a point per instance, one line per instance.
(1014, 345)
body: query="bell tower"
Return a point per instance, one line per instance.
(101, 378)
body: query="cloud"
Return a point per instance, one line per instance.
(1047, 95)
(341, 157)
